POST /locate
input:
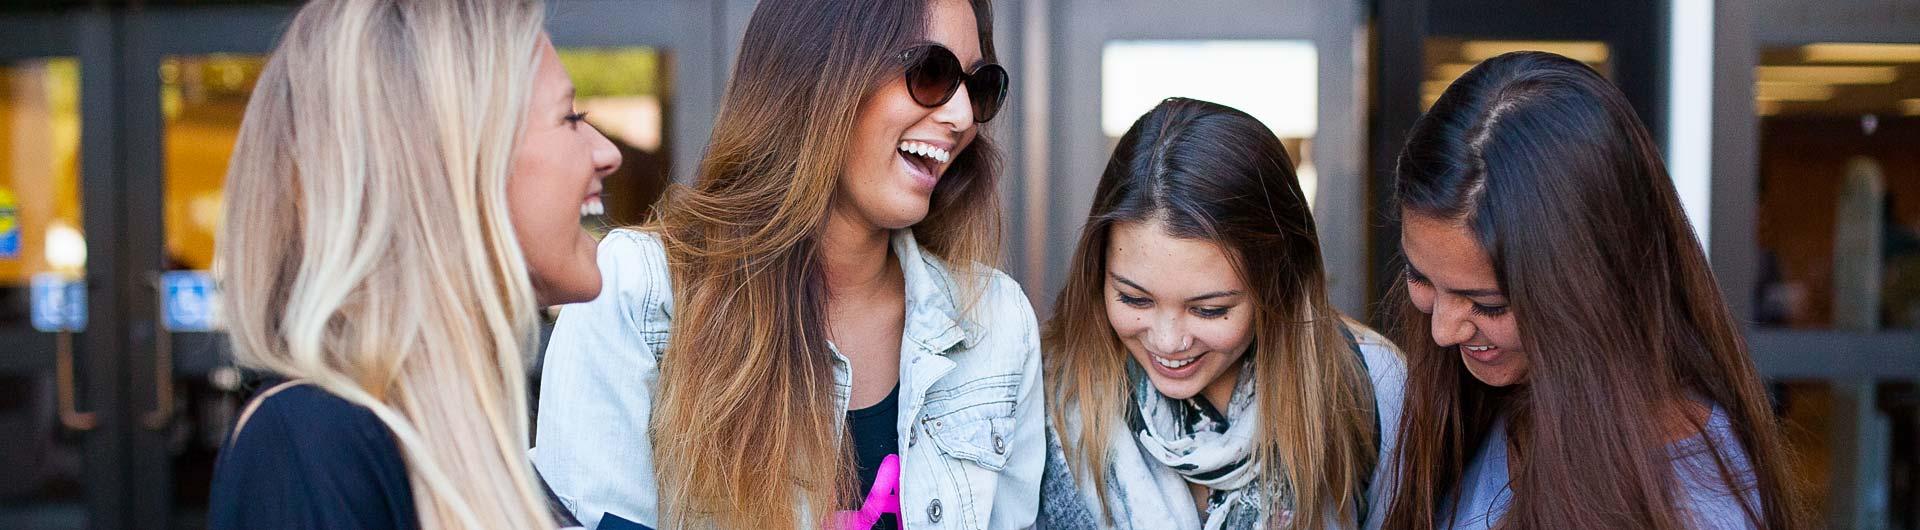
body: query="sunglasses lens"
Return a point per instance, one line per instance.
(988, 89)
(934, 76)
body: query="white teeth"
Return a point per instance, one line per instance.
(926, 150)
(593, 207)
(1478, 348)
(1170, 363)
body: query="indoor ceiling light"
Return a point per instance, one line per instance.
(1584, 51)
(1839, 75)
(1860, 52)
(1792, 92)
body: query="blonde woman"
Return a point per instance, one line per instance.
(404, 194)
(1198, 376)
(816, 304)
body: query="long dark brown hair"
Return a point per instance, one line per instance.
(1547, 165)
(746, 419)
(1209, 172)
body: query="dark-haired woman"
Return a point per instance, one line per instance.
(1198, 376)
(1572, 363)
(810, 335)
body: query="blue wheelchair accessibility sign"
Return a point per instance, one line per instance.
(59, 303)
(190, 301)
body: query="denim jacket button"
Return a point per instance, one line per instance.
(933, 511)
(999, 445)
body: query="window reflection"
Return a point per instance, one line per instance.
(1839, 212)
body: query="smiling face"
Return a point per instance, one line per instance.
(1451, 279)
(1180, 308)
(557, 168)
(900, 149)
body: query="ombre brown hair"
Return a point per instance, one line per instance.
(746, 433)
(1209, 172)
(1547, 165)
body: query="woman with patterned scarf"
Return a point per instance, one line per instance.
(1197, 376)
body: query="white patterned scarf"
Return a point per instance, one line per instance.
(1191, 437)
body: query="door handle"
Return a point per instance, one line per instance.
(162, 412)
(70, 415)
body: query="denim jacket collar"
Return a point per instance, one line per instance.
(934, 320)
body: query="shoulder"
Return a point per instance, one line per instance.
(316, 422)
(1001, 318)
(1001, 294)
(1715, 498)
(634, 278)
(632, 240)
(993, 288)
(1386, 365)
(309, 459)
(633, 260)
(989, 300)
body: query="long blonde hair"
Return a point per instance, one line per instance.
(367, 248)
(746, 416)
(1212, 173)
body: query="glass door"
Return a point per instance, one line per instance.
(58, 430)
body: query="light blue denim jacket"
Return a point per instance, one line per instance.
(971, 425)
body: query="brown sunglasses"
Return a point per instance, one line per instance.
(934, 74)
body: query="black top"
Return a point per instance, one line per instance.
(308, 459)
(875, 436)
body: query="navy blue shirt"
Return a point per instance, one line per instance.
(308, 459)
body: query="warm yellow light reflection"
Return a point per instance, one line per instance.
(66, 248)
(1583, 51)
(1766, 108)
(202, 107)
(1858, 52)
(39, 167)
(1910, 107)
(1450, 71)
(1838, 75)
(1793, 92)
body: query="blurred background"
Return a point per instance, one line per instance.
(1791, 128)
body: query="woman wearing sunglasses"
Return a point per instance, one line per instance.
(808, 336)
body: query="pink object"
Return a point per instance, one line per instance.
(883, 499)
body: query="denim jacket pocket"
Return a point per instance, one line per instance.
(974, 421)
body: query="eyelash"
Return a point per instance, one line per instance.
(1210, 312)
(1414, 278)
(1202, 312)
(1482, 310)
(576, 118)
